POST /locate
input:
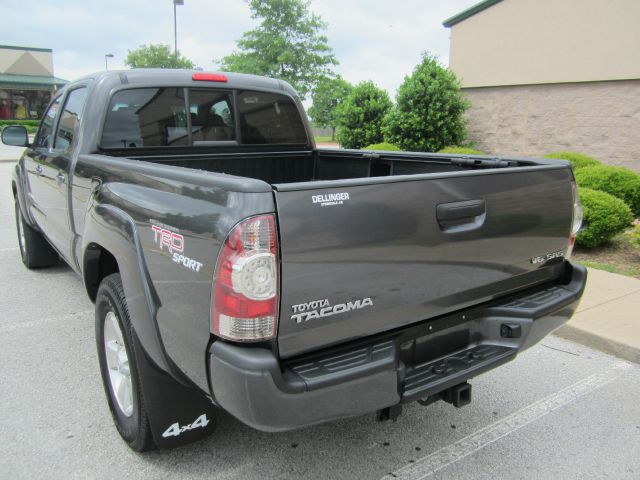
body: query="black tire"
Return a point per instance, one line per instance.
(34, 248)
(133, 426)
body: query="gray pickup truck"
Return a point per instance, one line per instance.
(234, 265)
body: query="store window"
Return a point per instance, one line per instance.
(23, 104)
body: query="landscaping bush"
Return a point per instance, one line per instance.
(360, 115)
(604, 217)
(635, 236)
(617, 181)
(578, 160)
(32, 125)
(382, 146)
(462, 151)
(429, 112)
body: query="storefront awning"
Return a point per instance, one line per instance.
(30, 81)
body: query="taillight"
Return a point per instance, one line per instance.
(245, 298)
(576, 221)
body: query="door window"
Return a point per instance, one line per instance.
(43, 138)
(70, 119)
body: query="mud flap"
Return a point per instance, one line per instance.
(178, 413)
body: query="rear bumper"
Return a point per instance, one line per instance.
(401, 366)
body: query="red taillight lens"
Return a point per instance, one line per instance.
(209, 77)
(245, 297)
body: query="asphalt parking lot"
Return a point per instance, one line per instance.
(560, 410)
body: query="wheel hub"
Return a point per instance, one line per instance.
(118, 364)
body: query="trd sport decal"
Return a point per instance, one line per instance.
(174, 243)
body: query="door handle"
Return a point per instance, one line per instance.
(39, 169)
(61, 178)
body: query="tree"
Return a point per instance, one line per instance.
(287, 44)
(326, 97)
(361, 114)
(156, 56)
(429, 109)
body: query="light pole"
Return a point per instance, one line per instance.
(175, 28)
(106, 57)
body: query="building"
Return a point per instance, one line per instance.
(26, 82)
(545, 75)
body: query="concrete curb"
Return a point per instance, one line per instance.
(578, 335)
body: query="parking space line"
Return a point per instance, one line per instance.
(10, 249)
(430, 464)
(17, 326)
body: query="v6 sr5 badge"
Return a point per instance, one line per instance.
(174, 243)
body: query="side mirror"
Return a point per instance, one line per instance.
(15, 135)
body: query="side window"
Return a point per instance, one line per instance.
(70, 119)
(211, 116)
(146, 117)
(269, 118)
(43, 138)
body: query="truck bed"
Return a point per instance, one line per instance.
(372, 241)
(283, 167)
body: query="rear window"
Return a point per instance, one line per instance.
(146, 117)
(211, 116)
(162, 117)
(269, 118)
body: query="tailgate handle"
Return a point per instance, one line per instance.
(460, 216)
(460, 210)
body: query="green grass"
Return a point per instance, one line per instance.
(323, 139)
(607, 267)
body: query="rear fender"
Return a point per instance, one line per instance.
(173, 402)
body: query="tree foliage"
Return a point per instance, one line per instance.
(288, 44)
(326, 97)
(156, 56)
(429, 112)
(361, 114)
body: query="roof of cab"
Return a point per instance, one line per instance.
(162, 77)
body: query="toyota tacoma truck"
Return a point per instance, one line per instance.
(235, 266)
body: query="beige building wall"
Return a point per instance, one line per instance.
(16, 61)
(601, 119)
(518, 42)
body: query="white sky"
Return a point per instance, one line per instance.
(377, 40)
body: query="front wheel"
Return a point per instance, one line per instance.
(119, 367)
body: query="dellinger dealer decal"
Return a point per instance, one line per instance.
(329, 199)
(322, 308)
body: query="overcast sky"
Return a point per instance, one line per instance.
(377, 40)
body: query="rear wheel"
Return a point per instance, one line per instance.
(34, 248)
(119, 367)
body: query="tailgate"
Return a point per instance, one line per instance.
(360, 257)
